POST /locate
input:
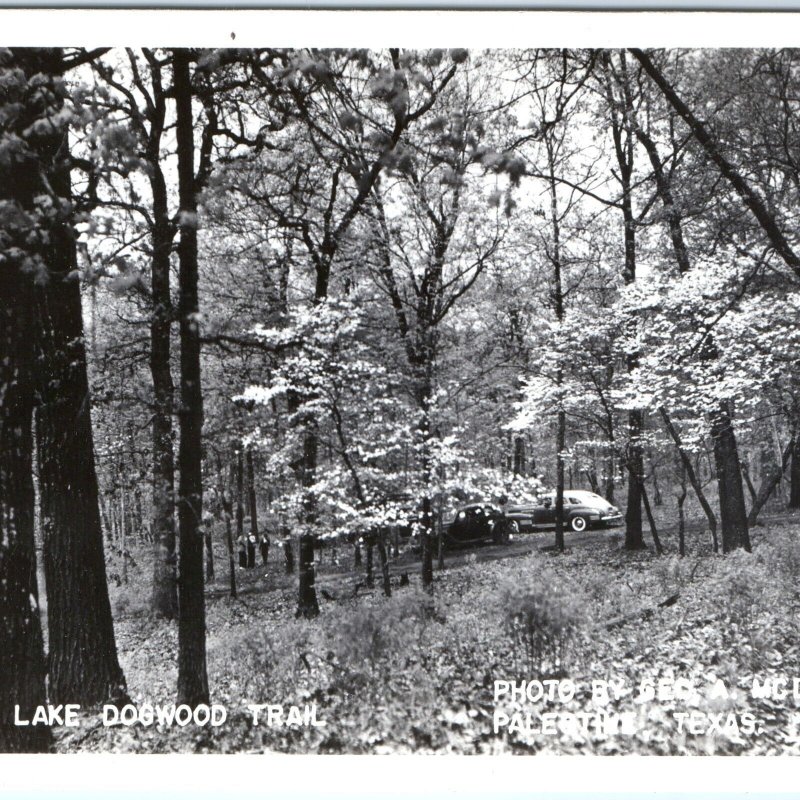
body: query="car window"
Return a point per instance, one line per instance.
(574, 501)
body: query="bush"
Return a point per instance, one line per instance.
(267, 664)
(672, 573)
(544, 619)
(781, 556)
(365, 638)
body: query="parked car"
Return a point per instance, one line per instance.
(479, 522)
(582, 510)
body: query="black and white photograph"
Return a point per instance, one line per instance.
(400, 400)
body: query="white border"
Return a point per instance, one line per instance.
(394, 776)
(473, 29)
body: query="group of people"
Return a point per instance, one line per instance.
(247, 549)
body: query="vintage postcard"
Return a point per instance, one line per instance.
(376, 386)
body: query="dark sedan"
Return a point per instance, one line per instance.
(582, 510)
(478, 523)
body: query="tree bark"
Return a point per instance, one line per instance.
(729, 479)
(83, 665)
(192, 675)
(165, 582)
(22, 662)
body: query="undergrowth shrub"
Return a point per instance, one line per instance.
(544, 619)
(743, 590)
(672, 573)
(266, 663)
(781, 556)
(365, 640)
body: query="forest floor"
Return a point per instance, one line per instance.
(402, 674)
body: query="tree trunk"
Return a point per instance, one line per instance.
(634, 540)
(519, 455)
(123, 541)
(239, 494)
(384, 562)
(729, 478)
(424, 395)
(561, 444)
(621, 112)
(692, 476)
(251, 494)
(769, 483)
(288, 555)
(227, 510)
(681, 518)
(651, 520)
(83, 665)
(307, 603)
(209, 554)
(165, 581)
(794, 476)
(370, 578)
(22, 662)
(748, 481)
(192, 676)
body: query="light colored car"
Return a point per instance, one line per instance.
(582, 510)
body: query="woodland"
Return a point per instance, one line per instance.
(269, 317)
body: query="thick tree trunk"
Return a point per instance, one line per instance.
(22, 662)
(83, 665)
(729, 479)
(192, 675)
(165, 582)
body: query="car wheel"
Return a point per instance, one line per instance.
(578, 524)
